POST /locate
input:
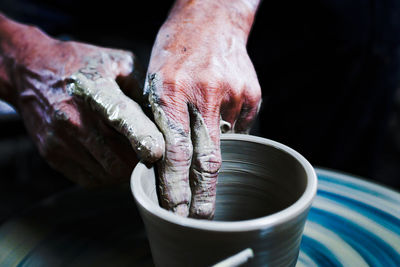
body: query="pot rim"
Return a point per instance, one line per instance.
(296, 209)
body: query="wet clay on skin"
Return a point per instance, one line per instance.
(124, 114)
(201, 151)
(199, 70)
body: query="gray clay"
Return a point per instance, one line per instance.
(264, 192)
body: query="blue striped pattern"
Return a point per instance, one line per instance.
(351, 223)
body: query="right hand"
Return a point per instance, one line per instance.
(199, 71)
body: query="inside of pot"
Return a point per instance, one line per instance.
(256, 180)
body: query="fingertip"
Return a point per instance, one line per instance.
(204, 210)
(150, 148)
(181, 210)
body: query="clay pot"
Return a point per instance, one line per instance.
(265, 190)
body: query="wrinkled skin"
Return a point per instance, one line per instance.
(200, 71)
(68, 96)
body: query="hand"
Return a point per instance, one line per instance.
(199, 71)
(69, 97)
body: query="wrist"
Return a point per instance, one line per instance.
(227, 16)
(19, 44)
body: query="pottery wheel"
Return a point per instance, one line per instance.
(351, 223)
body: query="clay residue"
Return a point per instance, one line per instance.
(121, 112)
(174, 186)
(205, 166)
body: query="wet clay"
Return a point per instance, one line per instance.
(264, 192)
(125, 115)
(174, 188)
(188, 189)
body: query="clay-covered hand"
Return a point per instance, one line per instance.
(69, 96)
(200, 71)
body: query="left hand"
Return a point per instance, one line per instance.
(70, 97)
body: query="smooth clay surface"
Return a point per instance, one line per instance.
(264, 192)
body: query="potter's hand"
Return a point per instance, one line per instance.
(200, 71)
(72, 106)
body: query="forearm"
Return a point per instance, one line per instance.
(19, 44)
(238, 15)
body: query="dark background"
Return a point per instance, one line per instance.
(329, 71)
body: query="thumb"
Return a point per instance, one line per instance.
(121, 112)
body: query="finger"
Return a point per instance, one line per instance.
(224, 126)
(229, 113)
(230, 110)
(120, 112)
(248, 113)
(62, 144)
(75, 172)
(73, 161)
(98, 174)
(111, 150)
(118, 144)
(174, 187)
(206, 163)
(120, 62)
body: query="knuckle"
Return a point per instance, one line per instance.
(129, 55)
(129, 59)
(174, 104)
(253, 91)
(207, 164)
(252, 99)
(256, 93)
(235, 95)
(210, 90)
(166, 89)
(122, 59)
(173, 86)
(256, 97)
(179, 155)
